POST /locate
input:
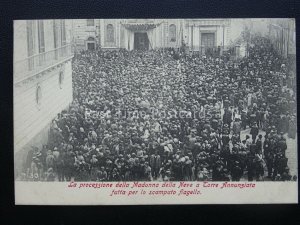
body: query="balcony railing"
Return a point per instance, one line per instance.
(25, 68)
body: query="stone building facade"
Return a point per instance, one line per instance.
(42, 79)
(130, 34)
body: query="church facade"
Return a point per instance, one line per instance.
(135, 34)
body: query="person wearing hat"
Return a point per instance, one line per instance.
(69, 161)
(236, 127)
(49, 160)
(269, 155)
(254, 132)
(281, 144)
(187, 168)
(102, 174)
(59, 164)
(244, 119)
(259, 145)
(236, 171)
(93, 168)
(250, 162)
(202, 172)
(50, 176)
(225, 136)
(259, 167)
(115, 175)
(155, 164)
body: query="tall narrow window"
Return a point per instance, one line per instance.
(57, 24)
(30, 46)
(90, 23)
(55, 39)
(172, 33)
(41, 36)
(110, 33)
(41, 39)
(63, 32)
(55, 34)
(30, 43)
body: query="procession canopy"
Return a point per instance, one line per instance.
(140, 26)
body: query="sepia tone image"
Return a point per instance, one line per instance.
(155, 100)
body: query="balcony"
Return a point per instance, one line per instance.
(35, 64)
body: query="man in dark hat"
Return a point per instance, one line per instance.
(280, 163)
(244, 119)
(227, 117)
(269, 156)
(282, 146)
(254, 132)
(236, 171)
(236, 127)
(259, 145)
(251, 164)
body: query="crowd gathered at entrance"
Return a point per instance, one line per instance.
(165, 115)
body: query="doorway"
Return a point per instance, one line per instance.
(91, 43)
(208, 43)
(91, 46)
(141, 41)
(208, 40)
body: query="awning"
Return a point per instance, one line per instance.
(140, 26)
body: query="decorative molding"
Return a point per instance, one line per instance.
(31, 81)
(40, 74)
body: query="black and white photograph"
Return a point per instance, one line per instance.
(155, 100)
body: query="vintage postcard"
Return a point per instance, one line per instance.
(155, 111)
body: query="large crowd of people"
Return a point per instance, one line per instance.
(165, 115)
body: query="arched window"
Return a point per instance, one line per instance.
(91, 39)
(110, 33)
(172, 32)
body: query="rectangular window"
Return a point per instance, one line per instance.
(63, 33)
(55, 34)
(30, 43)
(90, 22)
(41, 36)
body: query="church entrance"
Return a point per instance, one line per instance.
(91, 43)
(141, 41)
(91, 46)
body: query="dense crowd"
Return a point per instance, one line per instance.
(166, 115)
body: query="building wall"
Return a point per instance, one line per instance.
(116, 26)
(82, 32)
(29, 117)
(20, 40)
(32, 117)
(196, 27)
(160, 36)
(283, 36)
(31, 121)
